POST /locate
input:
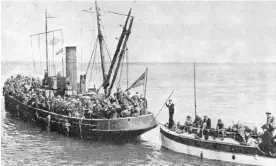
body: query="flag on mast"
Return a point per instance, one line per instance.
(60, 51)
(140, 81)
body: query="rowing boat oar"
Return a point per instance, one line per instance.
(162, 106)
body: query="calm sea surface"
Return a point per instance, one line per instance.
(232, 92)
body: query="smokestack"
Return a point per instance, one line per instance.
(71, 66)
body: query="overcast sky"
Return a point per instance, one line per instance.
(162, 31)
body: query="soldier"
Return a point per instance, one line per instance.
(135, 97)
(145, 102)
(170, 105)
(197, 122)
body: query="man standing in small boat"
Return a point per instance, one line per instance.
(170, 105)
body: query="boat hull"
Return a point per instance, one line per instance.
(172, 141)
(95, 129)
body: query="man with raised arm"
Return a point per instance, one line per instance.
(170, 105)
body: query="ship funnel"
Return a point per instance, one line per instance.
(71, 66)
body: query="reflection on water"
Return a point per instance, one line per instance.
(228, 91)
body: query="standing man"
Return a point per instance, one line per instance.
(170, 105)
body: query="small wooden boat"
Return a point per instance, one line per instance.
(227, 150)
(214, 150)
(95, 129)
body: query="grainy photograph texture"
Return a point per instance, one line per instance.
(138, 83)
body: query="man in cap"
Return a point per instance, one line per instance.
(170, 105)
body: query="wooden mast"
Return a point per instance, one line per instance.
(100, 37)
(46, 40)
(106, 82)
(195, 88)
(120, 56)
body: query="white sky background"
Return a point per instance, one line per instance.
(162, 31)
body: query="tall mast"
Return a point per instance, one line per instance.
(46, 41)
(195, 88)
(120, 57)
(100, 36)
(117, 51)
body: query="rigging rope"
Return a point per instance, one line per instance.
(99, 65)
(105, 43)
(93, 64)
(41, 68)
(122, 63)
(127, 65)
(53, 54)
(95, 45)
(34, 68)
(107, 50)
(62, 54)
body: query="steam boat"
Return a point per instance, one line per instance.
(87, 128)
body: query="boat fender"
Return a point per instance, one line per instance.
(233, 157)
(232, 149)
(256, 157)
(48, 122)
(67, 127)
(201, 155)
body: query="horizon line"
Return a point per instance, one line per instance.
(149, 62)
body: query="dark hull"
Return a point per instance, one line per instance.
(95, 129)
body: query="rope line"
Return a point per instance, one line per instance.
(95, 45)
(93, 64)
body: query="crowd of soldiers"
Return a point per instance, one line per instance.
(30, 91)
